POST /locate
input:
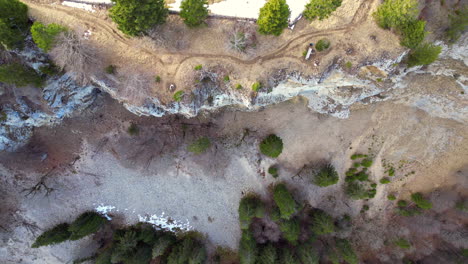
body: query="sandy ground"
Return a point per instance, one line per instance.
(152, 173)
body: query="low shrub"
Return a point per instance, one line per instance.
(357, 156)
(57, 234)
(290, 229)
(322, 223)
(239, 87)
(226, 78)
(256, 86)
(384, 180)
(200, 145)
(408, 211)
(271, 146)
(424, 54)
(358, 191)
(462, 205)
(366, 163)
(285, 201)
(133, 129)
(391, 197)
(348, 65)
(86, 224)
(44, 36)
(178, 96)
(250, 207)
(157, 79)
(402, 243)
(402, 203)
(198, 67)
(20, 75)
(419, 200)
(273, 171)
(322, 45)
(320, 9)
(326, 176)
(111, 69)
(49, 69)
(162, 244)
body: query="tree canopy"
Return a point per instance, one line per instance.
(273, 17)
(13, 23)
(134, 17)
(424, 54)
(320, 9)
(194, 12)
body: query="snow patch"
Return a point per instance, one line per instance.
(166, 223)
(87, 7)
(105, 210)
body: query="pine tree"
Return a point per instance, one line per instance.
(250, 207)
(307, 254)
(285, 201)
(194, 12)
(273, 17)
(248, 251)
(291, 230)
(322, 223)
(44, 36)
(56, 235)
(134, 17)
(320, 9)
(86, 224)
(424, 54)
(268, 255)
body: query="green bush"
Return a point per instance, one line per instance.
(384, 180)
(56, 235)
(273, 171)
(44, 36)
(402, 243)
(326, 176)
(256, 86)
(200, 145)
(290, 229)
(268, 255)
(357, 156)
(413, 33)
(162, 244)
(49, 69)
(178, 96)
(194, 12)
(133, 129)
(157, 79)
(462, 205)
(424, 54)
(320, 9)
(322, 223)
(402, 203)
(250, 207)
(13, 23)
(419, 200)
(356, 191)
(20, 75)
(391, 197)
(86, 224)
(408, 211)
(271, 146)
(134, 17)
(226, 78)
(307, 254)
(346, 251)
(458, 24)
(189, 251)
(366, 163)
(248, 251)
(395, 13)
(322, 44)
(110, 69)
(198, 67)
(273, 17)
(285, 201)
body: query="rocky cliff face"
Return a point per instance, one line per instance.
(439, 89)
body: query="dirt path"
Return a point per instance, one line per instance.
(173, 66)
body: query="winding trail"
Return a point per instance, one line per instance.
(182, 57)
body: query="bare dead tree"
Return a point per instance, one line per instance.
(238, 41)
(75, 55)
(40, 186)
